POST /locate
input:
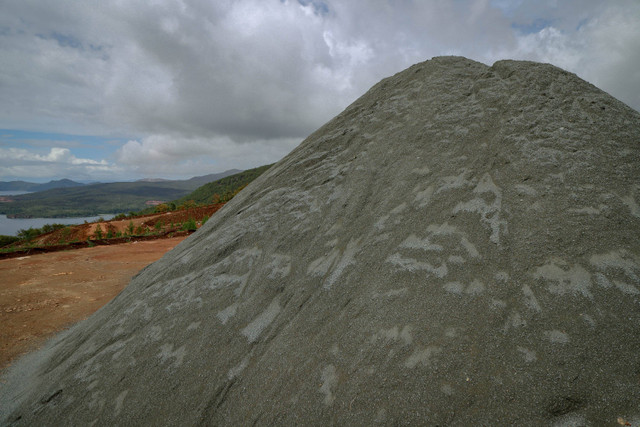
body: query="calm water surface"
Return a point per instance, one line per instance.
(13, 193)
(10, 227)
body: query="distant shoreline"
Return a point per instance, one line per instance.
(10, 226)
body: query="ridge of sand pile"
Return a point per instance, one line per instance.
(461, 245)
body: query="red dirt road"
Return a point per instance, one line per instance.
(42, 294)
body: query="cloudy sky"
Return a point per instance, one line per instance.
(115, 89)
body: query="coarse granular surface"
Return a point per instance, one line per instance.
(460, 246)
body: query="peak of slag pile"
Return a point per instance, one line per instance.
(460, 246)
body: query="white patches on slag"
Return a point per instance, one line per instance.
(380, 224)
(528, 355)
(167, 353)
(413, 242)
(329, 380)
(514, 321)
(227, 313)
(394, 334)
(119, 402)
(237, 370)
(421, 171)
(331, 243)
(348, 258)
(571, 419)
(588, 319)
(399, 209)
(602, 280)
(454, 287)
(469, 247)
(557, 337)
(501, 276)
(334, 263)
(626, 287)
(446, 230)
(618, 262)
(253, 330)
(413, 265)
(394, 215)
(439, 238)
(489, 211)
(446, 389)
(620, 259)
(455, 259)
(280, 266)
(242, 283)
(193, 326)
(497, 304)
(423, 196)
(633, 206)
(422, 356)
(587, 210)
(155, 333)
(476, 287)
(530, 299)
(223, 280)
(526, 190)
(564, 279)
(454, 182)
(320, 266)
(391, 293)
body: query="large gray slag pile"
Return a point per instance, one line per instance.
(460, 246)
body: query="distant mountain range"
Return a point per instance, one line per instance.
(33, 187)
(66, 198)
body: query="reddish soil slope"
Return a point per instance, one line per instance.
(146, 227)
(161, 223)
(43, 294)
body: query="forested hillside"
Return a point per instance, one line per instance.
(96, 199)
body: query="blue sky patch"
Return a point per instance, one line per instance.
(88, 146)
(319, 7)
(532, 27)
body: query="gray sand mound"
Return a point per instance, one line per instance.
(460, 246)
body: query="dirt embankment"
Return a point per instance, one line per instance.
(49, 286)
(41, 295)
(145, 227)
(153, 223)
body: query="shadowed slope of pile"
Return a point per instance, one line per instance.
(461, 245)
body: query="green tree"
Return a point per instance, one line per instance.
(28, 234)
(189, 225)
(98, 233)
(7, 240)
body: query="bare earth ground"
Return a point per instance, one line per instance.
(43, 294)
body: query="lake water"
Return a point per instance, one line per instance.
(13, 193)
(10, 226)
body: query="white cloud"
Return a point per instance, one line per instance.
(171, 156)
(57, 163)
(604, 50)
(204, 83)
